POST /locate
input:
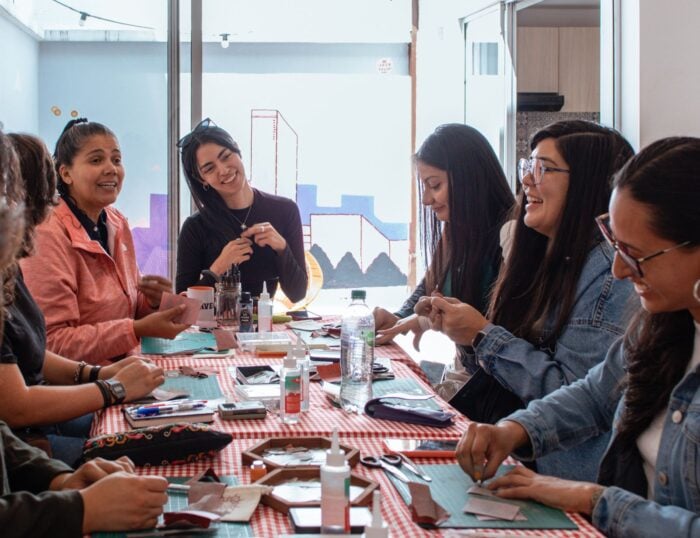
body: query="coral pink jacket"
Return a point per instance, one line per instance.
(89, 298)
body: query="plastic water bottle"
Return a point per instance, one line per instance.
(356, 354)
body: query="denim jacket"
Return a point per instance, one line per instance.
(602, 308)
(591, 406)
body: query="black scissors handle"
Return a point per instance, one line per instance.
(376, 461)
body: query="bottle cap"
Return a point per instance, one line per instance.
(358, 294)
(245, 297)
(376, 529)
(335, 457)
(264, 296)
(258, 464)
(290, 361)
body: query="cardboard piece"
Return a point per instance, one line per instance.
(424, 509)
(189, 316)
(225, 339)
(485, 507)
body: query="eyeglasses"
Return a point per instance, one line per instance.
(535, 168)
(633, 263)
(199, 128)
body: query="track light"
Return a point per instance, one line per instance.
(83, 18)
(224, 41)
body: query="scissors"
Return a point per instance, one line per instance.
(388, 462)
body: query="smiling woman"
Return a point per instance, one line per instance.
(83, 274)
(236, 224)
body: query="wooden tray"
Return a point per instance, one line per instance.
(280, 476)
(255, 452)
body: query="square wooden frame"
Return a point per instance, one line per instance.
(255, 452)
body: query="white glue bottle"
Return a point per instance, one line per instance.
(264, 311)
(376, 529)
(290, 390)
(335, 491)
(303, 362)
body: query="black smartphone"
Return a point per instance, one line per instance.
(300, 315)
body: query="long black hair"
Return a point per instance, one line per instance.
(539, 279)
(480, 199)
(212, 207)
(70, 142)
(663, 177)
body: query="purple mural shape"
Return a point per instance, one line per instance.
(151, 244)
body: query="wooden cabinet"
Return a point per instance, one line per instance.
(565, 60)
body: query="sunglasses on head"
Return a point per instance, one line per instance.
(199, 128)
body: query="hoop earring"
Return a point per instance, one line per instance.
(205, 185)
(696, 290)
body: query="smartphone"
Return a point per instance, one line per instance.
(242, 410)
(299, 315)
(422, 448)
(434, 371)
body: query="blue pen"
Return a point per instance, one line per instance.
(147, 411)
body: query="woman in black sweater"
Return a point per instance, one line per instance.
(236, 224)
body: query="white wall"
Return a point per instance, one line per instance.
(440, 57)
(660, 69)
(19, 78)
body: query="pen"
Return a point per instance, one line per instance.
(148, 411)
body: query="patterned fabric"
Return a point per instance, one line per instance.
(167, 444)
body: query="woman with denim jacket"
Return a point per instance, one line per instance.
(648, 388)
(555, 309)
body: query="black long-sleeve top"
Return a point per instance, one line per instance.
(198, 247)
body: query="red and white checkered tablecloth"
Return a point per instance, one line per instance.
(359, 431)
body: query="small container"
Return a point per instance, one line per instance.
(335, 490)
(228, 292)
(245, 314)
(264, 311)
(258, 469)
(290, 390)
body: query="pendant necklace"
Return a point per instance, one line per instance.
(242, 223)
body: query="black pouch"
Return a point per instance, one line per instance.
(484, 399)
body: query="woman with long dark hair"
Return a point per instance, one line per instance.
(466, 200)
(236, 224)
(42, 394)
(555, 308)
(648, 388)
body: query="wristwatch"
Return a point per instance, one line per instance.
(117, 390)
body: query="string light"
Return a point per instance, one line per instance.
(84, 15)
(224, 41)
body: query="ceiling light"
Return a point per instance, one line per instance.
(224, 41)
(83, 18)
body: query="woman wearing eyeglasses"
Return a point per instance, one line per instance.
(648, 388)
(555, 308)
(235, 223)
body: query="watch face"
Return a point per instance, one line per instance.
(117, 389)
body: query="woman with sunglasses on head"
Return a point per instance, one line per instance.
(83, 274)
(34, 380)
(648, 388)
(555, 308)
(466, 199)
(236, 224)
(39, 496)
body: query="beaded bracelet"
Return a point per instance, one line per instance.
(78, 376)
(106, 394)
(94, 373)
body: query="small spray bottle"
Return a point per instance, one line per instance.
(303, 363)
(264, 311)
(376, 529)
(335, 490)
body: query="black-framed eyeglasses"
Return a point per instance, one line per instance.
(189, 137)
(633, 263)
(536, 168)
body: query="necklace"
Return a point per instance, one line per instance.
(242, 223)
